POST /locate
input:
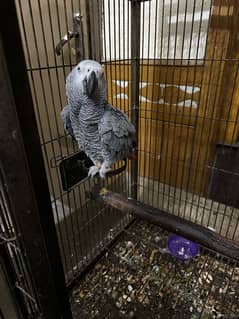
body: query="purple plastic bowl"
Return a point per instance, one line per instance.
(182, 248)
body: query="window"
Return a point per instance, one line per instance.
(170, 29)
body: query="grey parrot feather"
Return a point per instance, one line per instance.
(65, 116)
(117, 134)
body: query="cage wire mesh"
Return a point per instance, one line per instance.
(15, 251)
(83, 227)
(187, 143)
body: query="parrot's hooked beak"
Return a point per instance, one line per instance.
(91, 83)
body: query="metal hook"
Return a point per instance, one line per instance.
(70, 35)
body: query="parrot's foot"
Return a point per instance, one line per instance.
(93, 171)
(105, 168)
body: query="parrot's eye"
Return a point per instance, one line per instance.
(88, 70)
(78, 68)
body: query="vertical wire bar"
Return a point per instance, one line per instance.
(226, 125)
(121, 68)
(146, 153)
(124, 50)
(110, 71)
(115, 59)
(168, 121)
(129, 56)
(62, 61)
(213, 203)
(104, 33)
(83, 54)
(92, 29)
(128, 75)
(204, 116)
(177, 159)
(100, 237)
(198, 103)
(154, 87)
(67, 27)
(148, 79)
(43, 89)
(211, 136)
(197, 117)
(163, 113)
(105, 53)
(100, 29)
(115, 63)
(91, 222)
(174, 126)
(117, 67)
(165, 123)
(141, 152)
(36, 101)
(56, 122)
(121, 177)
(45, 105)
(56, 69)
(112, 60)
(111, 50)
(124, 76)
(180, 197)
(190, 111)
(135, 75)
(69, 202)
(211, 118)
(77, 29)
(74, 190)
(90, 233)
(177, 107)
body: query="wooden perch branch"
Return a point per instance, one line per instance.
(172, 223)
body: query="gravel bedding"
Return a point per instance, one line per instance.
(137, 279)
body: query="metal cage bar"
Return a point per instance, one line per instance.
(172, 66)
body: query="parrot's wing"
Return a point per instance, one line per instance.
(65, 116)
(116, 132)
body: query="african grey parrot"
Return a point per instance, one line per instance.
(102, 131)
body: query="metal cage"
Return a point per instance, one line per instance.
(172, 67)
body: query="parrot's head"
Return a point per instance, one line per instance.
(86, 80)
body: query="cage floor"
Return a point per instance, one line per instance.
(136, 279)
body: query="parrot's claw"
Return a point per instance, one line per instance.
(103, 171)
(93, 171)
